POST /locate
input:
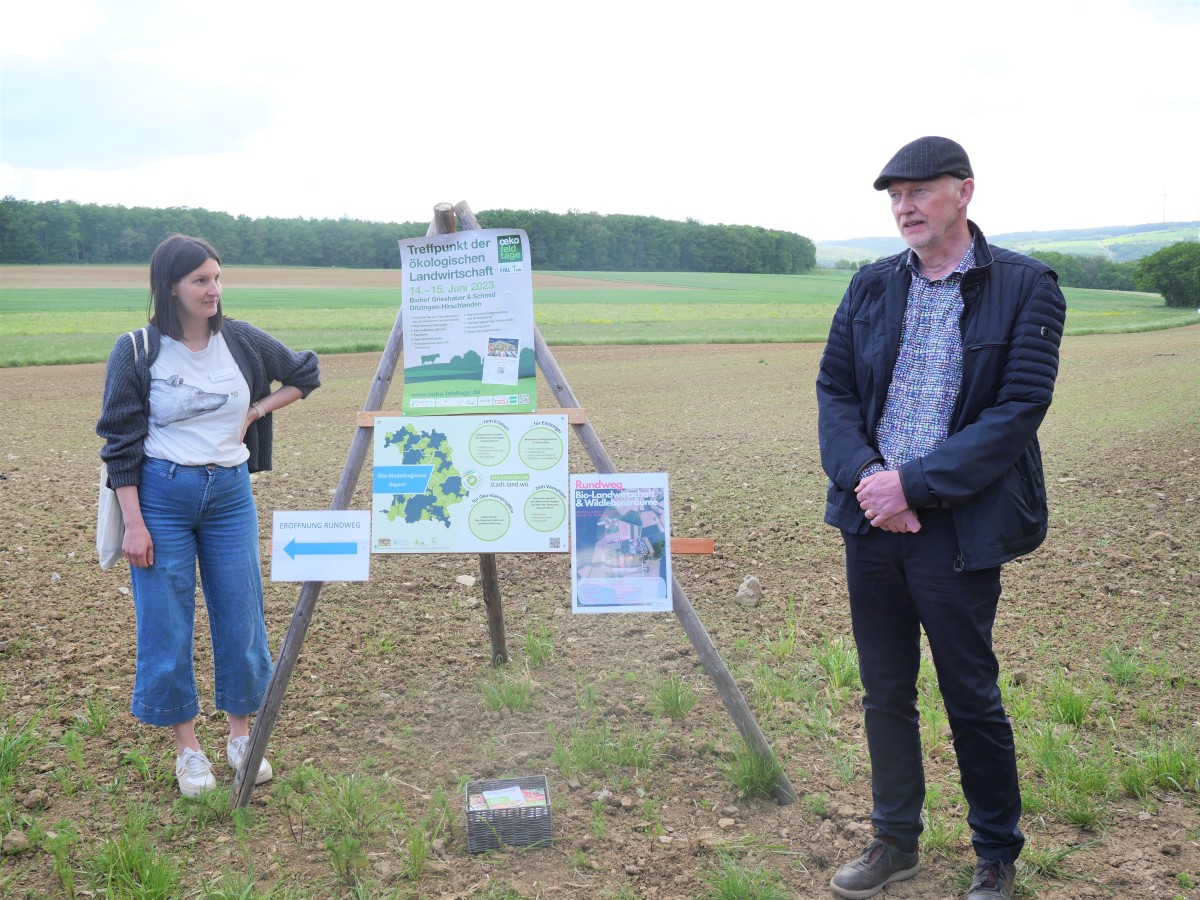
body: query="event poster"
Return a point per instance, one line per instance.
(470, 484)
(467, 313)
(620, 543)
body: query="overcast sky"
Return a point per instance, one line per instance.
(1075, 113)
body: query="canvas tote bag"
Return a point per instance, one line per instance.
(110, 525)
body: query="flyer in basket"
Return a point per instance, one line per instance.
(620, 543)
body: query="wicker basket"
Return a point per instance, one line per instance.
(523, 826)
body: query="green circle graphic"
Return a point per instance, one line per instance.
(489, 520)
(540, 448)
(545, 511)
(489, 445)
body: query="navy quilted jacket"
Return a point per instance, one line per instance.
(989, 468)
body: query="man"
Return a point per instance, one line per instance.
(939, 369)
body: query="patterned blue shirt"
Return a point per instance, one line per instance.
(928, 372)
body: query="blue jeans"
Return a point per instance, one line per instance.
(205, 514)
(901, 584)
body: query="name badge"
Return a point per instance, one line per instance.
(223, 375)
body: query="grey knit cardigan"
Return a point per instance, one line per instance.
(125, 416)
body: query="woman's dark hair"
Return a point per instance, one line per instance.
(174, 258)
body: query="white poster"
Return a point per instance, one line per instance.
(470, 484)
(620, 543)
(323, 545)
(467, 312)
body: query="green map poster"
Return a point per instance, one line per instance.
(467, 312)
(470, 484)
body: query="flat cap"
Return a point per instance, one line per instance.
(926, 158)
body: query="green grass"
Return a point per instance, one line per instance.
(1067, 702)
(752, 774)
(504, 691)
(94, 720)
(736, 881)
(1078, 775)
(60, 325)
(597, 748)
(538, 646)
(844, 759)
(129, 865)
(59, 843)
(17, 745)
(792, 685)
(598, 824)
(817, 804)
(358, 817)
(1165, 764)
(674, 698)
(783, 647)
(839, 661)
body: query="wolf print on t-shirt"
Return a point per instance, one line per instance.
(177, 401)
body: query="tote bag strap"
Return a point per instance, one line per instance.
(145, 342)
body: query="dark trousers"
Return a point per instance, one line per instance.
(900, 584)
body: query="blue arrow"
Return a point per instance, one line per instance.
(313, 548)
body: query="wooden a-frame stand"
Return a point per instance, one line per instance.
(444, 223)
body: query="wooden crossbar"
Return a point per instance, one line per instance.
(366, 418)
(697, 546)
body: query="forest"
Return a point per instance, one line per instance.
(58, 232)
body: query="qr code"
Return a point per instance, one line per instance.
(555, 543)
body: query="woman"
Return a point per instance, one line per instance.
(187, 418)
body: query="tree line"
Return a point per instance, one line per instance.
(1097, 272)
(1073, 270)
(1173, 271)
(52, 231)
(576, 241)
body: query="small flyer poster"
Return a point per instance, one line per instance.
(470, 484)
(467, 311)
(514, 797)
(620, 543)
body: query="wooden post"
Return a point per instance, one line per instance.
(714, 666)
(443, 220)
(490, 582)
(310, 591)
(268, 712)
(489, 574)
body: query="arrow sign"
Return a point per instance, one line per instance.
(320, 546)
(316, 548)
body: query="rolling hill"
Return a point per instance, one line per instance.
(1119, 243)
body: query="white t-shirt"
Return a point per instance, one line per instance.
(198, 402)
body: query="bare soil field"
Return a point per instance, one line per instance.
(135, 278)
(388, 686)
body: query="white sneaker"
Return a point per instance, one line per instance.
(194, 773)
(235, 752)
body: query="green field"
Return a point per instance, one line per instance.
(1119, 248)
(59, 325)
